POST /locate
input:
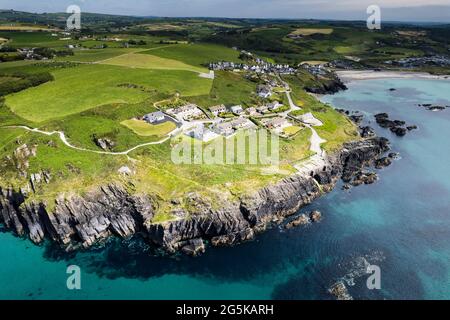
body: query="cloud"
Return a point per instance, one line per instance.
(321, 9)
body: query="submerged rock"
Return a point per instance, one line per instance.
(194, 247)
(339, 290)
(300, 221)
(315, 216)
(383, 162)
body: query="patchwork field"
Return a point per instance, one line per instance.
(21, 27)
(147, 61)
(311, 31)
(145, 129)
(87, 86)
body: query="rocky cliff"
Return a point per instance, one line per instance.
(82, 221)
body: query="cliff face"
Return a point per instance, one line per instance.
(80, 222)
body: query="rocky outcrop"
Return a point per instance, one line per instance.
(396, 126)
(104, 143)
(329, 87)
(76, 221)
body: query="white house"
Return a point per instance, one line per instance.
(274, 105)
(264, 91)
(154, 117)
(202, 133)
(277, 123)
(242, 123)
(187, 111)
(237, 109)
(224, 128)
(216, 110)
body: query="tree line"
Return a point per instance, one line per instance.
(23, 81)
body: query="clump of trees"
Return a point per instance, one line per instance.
(138, 43)
(23, 81)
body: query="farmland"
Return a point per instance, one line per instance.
(87, 86)
(147, 61)
(197, 55)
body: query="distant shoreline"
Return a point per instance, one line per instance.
(356, 75)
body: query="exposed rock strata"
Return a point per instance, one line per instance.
(83, 221)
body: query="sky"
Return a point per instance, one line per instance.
(398, 10)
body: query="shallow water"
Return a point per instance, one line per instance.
(401, 224)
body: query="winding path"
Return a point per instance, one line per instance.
(63, 138)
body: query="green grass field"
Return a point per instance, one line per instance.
(196, 54)
(87, 86)
(145, 129)
(147, 61)
(228, 88)
(95, 55)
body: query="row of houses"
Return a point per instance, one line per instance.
(216, 110)
(229, 127)
(186, 112)
(260, 67)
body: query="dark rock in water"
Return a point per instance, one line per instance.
(194, 247)
(383, 115)
(315, 216)
(394, 155)
(300, 221)
(366, 132)
(392, 89)
(346, 187)
(357, 118)
(339, 290)
(383, 162)
(436, 108)
(413, 127)
(364, 178)
(364, 156)
(431, 107)
(398, 131)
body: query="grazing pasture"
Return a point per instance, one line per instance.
(147, 61)
(196, 54)
(95, 55)
(87, 86)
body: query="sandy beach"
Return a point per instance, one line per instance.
(355, 75)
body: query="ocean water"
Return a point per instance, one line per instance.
(401, 224)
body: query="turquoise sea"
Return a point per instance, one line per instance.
(401, 224)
